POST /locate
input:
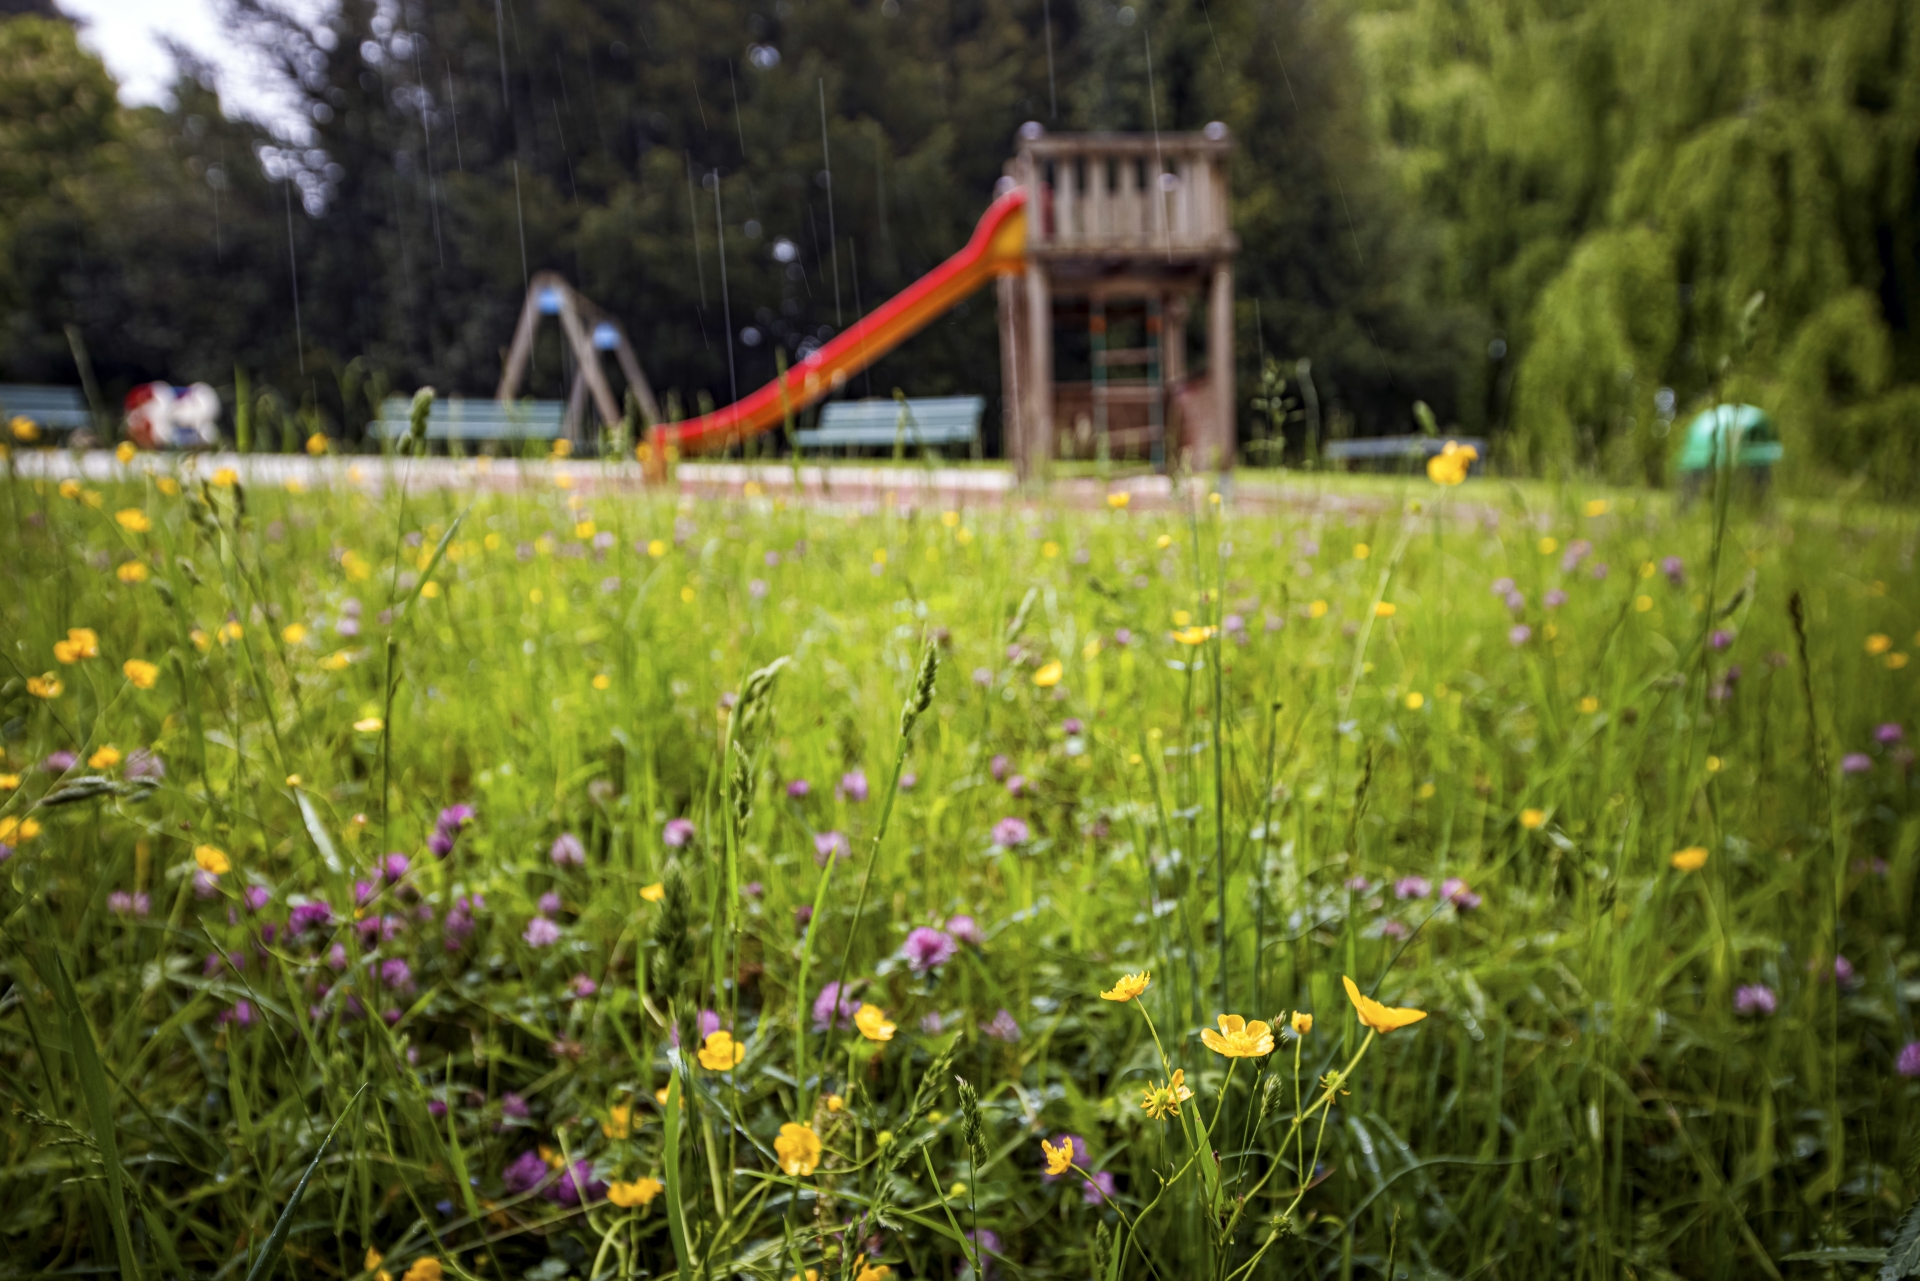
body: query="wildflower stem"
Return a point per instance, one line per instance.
(933, 1181)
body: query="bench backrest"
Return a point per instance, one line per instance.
(935, 420)
(55, 408)
(474, 419)
(1399, 446)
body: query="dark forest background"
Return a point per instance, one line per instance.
(1563, 224)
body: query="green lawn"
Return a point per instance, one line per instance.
(1447, 742)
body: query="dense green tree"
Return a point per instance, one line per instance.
(1715, 199)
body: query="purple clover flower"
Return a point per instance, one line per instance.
(525, 1173)
(513, 1106)
(1675, 570)
(677, 833)
(1554, 599)
(1889, 734)
(575, 1183)
(828, 845)
(394, 866)
(256, 897)
(1721, 638)
(998, 767)
(1519, 634)
(1002, 1028)
(541, 932)
(315, 915)
(853, 786)
(584, 986)
(798, 789)
(1908, 1063)
(1011, 831)
(1855, 763)
(396, 973)
(1412, 887)
(143, 764)
(59, 762)
(832, 1009)
(1455, 891)
(927, 950)
(1359, 884)
(549, 904)
(567, 851)
(1098, 1189)
(1754, 1000)
(966, 930)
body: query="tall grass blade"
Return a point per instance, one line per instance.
(277, 1239)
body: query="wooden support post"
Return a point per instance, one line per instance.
(1012, 291)
(1216, 451)
(1036, 457)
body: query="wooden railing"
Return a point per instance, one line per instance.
(1126, 193)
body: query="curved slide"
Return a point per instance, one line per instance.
(996, 248)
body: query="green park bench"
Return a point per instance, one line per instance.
(52, 409)
(1377, 449)
(935, 422)
(474, 420)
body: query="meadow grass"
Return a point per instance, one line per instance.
(1448, 750)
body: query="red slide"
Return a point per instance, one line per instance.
(997, 248)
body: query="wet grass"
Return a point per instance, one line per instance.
(1600, 1089)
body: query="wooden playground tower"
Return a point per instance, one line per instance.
(1125, 232)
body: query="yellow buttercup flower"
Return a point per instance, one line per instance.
(655, 892)
(427, 1269)
(8, 782)
(1119, 501)
(133, 520)
(132, 571)
(81, 642)
(798, 1149)
(1385, 609)
(1128, 986)
(1193, 635)
(1058, 1159)
(317, 444)
(1181, 618)
(602, 681)
(24, 429)
(835, 1103)
(1318, 609)
(168, 486)
(1163, 1101)
(1532, 819)
(1690, 859)
(69, 489)
(1049, 674)
(1416, 700)
(1596, 507)
(720, 1052)
(1879, 643)
(1237, 1038)
(873, 1024)
(1381, 1018)
(369, 724)
(1449, 466)
(336, 661)
(226, 478)
(619, 1122)
(106, 758)
(1589, 705)
(1302, 1023)
(15, 830)
(1361, 551)
(873, 1272)
(212, 860)
(47, 686)
(293, 633)
(638, 1193)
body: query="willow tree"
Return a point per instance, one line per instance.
(1713, 199)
